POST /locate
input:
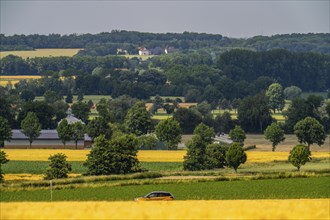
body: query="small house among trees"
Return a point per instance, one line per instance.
(144, 52)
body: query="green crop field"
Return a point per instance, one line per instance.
(39, 167)
(312, 187)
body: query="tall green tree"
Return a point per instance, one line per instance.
(275, 134)
(299, 156)
(27, 95)
(301, 108)
(51, 96)
(78, 131)
(118, 156)
(98, 126)
(215, 156)
(237, 134)
(64, 131)
(5, 131)
(81, 110)
(275, 95)
(169, 131)
(188, 119)
(31, 127)
(206, 132)
(138, 119)
(310, 131)
(196, 158)
(235, 156)
(254, 113)
(3, 160)
(292, 92)
(69, 97)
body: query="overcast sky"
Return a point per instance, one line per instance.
(230, 18)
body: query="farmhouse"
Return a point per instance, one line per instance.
(48, 139)
(144, 52)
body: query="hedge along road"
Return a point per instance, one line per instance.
(145, 155)
(291, 188)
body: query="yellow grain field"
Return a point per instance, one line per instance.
(194, 209)
(41, 53)
(12, 80)
(29, 176)
(146, 156)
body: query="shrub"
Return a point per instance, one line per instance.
(58, 167)
(3, 160)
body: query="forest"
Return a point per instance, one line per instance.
(106, 43)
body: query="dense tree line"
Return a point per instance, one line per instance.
(308, 71)
(106, 43)
(197, 76)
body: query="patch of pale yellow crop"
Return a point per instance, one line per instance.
(210, 209)
(146, 155)
(41, 53)
(81, 155)
(43, 154)
(29, 177)
(18, 77)
(161, 155)
(262, 157)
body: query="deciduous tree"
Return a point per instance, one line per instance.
(98, 126)
(5, 131)
(169, 131)
(299, 155)
(310, 131)
(275, 95)
(118, 156)
(237, 135)
(58, 167)
(78, 131)
(275, 134)
(31, 127)
(64, 131)
(235, 156)
(138, 119)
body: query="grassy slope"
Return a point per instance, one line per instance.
(313, 187)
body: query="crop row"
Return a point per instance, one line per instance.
(225, 209)
(145, 156)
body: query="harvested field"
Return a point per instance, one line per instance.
(41, 53)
